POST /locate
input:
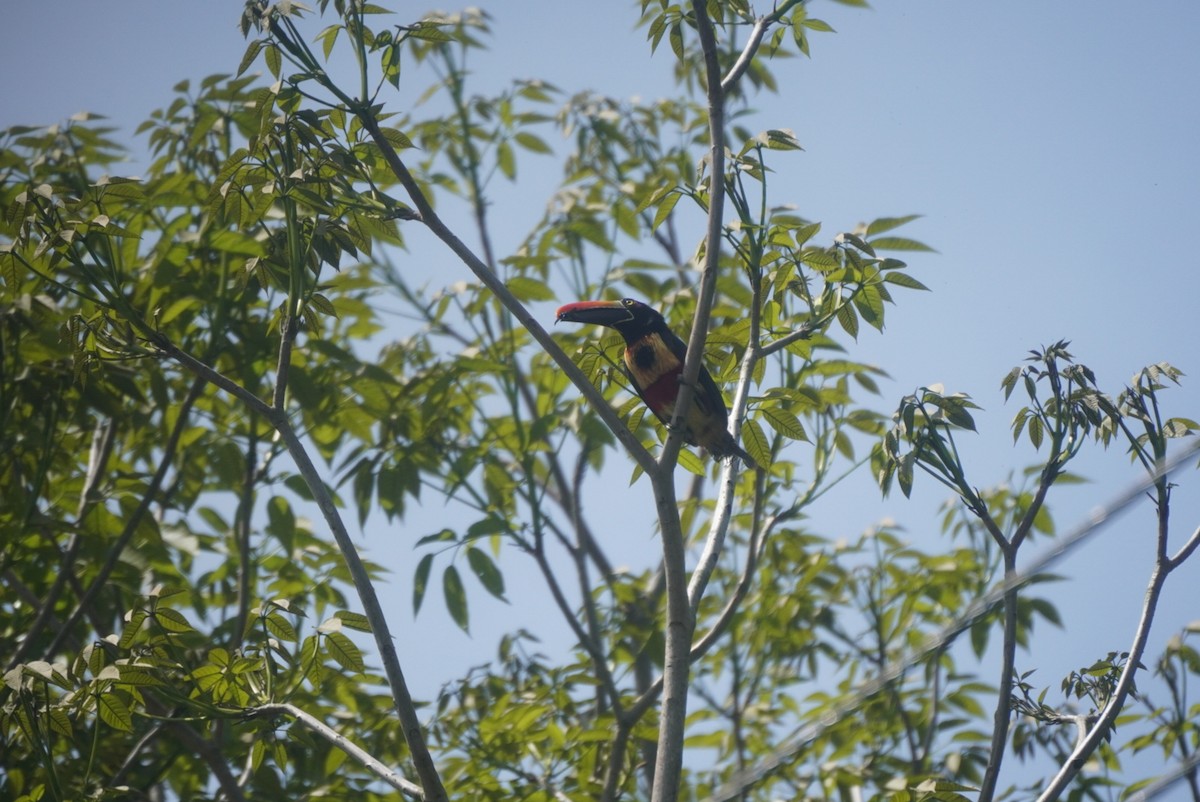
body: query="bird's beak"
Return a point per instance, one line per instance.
(600, 313)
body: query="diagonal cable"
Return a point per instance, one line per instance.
(1167, 781)
(980, 607)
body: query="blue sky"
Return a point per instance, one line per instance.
(1051, 147)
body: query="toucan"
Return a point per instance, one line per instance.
(654, 364)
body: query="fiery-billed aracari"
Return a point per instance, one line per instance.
(654, 363)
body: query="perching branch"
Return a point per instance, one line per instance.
(430, 218)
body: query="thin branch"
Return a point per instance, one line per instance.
(1100, 729)
(569, 497)
(591, 646)
(132, 522)
(754, 42)
(803, 333)
(103, 438)
(429, 217)
(1002, 716)
(1185, 551)
(680, 623)
(1103, 724)
(701, 647)
(372, 608)
(241, 535)
(341, 742)
(719, 525)
(210, 374)
(616, 763)
(283, 367)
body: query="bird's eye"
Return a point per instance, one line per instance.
(627, 301)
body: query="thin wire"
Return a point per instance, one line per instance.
(1165, 782)
(810, 732)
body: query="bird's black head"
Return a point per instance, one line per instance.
(633, 319)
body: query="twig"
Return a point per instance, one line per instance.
(341, 742)
(133, 522)
(103, 438)
(1104, 721)
(414, 736)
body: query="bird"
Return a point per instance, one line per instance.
(653, 362)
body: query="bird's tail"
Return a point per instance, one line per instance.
(728, 447)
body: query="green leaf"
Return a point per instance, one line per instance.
(250, 55)
(529, 289)
(818, 25)
(655, 32)
(532, 142)
(848, 320)
(1009, 382)
(421, 582)
(506, 160)
(870, 305)
(171, 620)
(355, 621)
(397, 138)
(648, 199)
(665, 207)
(1179, 427)
(820, 259)
(899, 244)
(486, 572)
(328, 37)
(883, 224)
(676, 39)
(491, 525)
(904, 280)
(135, 620)
(429, 32)
(782, 139)
(274, 59)
(1035, 431)
(755, 441)
(690, 462)
(456, 596)
(114, 712)
(784, 422)
(343, 650)
(958, 415)
(280, 627)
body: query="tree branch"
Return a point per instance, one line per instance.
(719, 526)
(680, 622)
(1084, 748)
(103, 437)
(754, 42)
(132, 523)
(414, 736)
(429, 217)
(341, 742)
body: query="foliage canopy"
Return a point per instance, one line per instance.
(193, 362)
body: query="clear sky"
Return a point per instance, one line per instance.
(1051, 146)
